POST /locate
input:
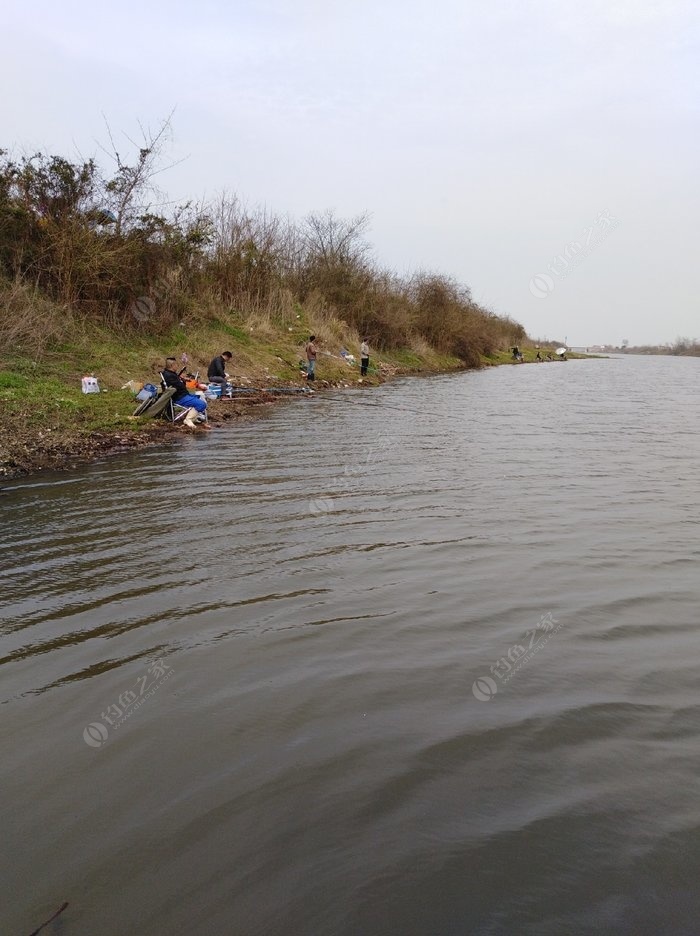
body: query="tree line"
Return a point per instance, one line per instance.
(96, 241)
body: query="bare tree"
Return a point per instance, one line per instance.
(335, 241)
(132, 188)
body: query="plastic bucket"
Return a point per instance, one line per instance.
(146, 392)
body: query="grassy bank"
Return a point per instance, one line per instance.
(48, 423)
(529, 353)
(96, 279)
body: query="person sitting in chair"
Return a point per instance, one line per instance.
(182, 396)
(216, 373)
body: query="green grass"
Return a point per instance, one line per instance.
(529, 355)
(406, 357)
(242, 337)
(10, 381)
(501, 357)
(53, 404)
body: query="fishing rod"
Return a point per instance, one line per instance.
(402, 409)
(342, 357)
(307, 391)
(300, 390)
(50, 919)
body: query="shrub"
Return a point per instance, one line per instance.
(95, 245)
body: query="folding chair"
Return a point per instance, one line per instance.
(172, 411)
(162, 405)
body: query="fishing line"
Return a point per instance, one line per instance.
(304, 391)
(402, 409)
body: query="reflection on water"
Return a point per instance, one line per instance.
(243, 681)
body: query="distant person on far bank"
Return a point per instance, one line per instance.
(216, 372)
(311, 352)
(364, 357)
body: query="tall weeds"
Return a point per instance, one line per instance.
(95, 246)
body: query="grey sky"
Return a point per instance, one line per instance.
(482, 137)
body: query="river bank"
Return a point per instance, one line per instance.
(26, 449)
(89, 287)
(49, 424)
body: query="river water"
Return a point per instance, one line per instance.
(420, 660)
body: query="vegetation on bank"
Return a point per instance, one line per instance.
(81, 249)
(48, 422)
(681, 347)
(95, 278)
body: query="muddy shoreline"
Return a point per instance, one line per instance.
(25, 452)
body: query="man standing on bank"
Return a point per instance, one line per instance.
(364, 357)
(311, 352)
(217, 370)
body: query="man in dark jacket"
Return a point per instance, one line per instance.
(217, 369)
(182, 396)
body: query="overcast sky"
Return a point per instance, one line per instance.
(545, 153)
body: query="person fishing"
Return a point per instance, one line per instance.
(364, 357)
(311, 352)
(216, 373)
(182, 396)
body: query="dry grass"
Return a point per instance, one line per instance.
(30, 323)
(68, 276)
